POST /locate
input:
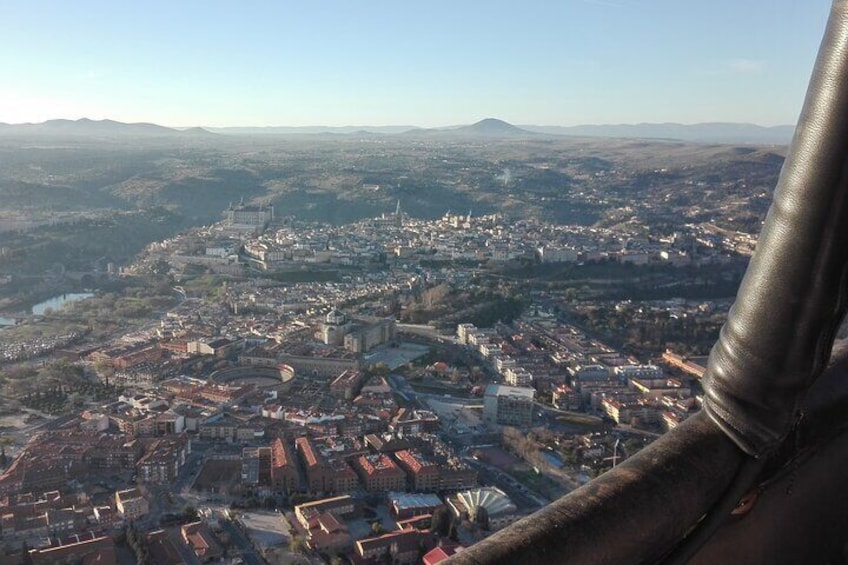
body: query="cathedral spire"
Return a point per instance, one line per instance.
(398, 215)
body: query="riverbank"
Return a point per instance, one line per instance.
(43, 307)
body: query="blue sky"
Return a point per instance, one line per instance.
(427, 63)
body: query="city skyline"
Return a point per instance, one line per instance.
(264, 64)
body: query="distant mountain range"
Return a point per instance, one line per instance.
(490, 127)
(97, 128)
(300, 130)
(710, 132)
(715, 132)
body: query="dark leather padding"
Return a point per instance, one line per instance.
(780, 330)
(800, 517)
(799, 511)
(673, 497)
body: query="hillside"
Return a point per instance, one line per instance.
(489, 127)
(189, 180)
(492, 127)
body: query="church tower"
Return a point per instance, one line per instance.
(398, 215)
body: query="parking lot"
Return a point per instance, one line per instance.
(266, 529)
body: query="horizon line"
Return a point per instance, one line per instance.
(400, 125)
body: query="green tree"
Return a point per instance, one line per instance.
(189, 513)
(380, 370)
(482, 518)
(121, 537)
(441, 521)
(297, 544)
(26, 558)
(131, 536)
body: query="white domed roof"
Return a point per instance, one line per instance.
(494, 500)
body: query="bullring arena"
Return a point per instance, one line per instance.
(279, 377)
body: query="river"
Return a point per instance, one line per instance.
(54, 303)
(58, 302)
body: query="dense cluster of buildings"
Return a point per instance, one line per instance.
(252, 237)
(328, 524)
(317, 434)
(343, 465)
(581, 374)
(283, 373)
(463, 237)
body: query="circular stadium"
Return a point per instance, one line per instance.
(278, 377)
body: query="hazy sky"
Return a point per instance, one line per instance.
(419, 62)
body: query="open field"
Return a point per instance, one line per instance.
(580, 419)
(217, 474)
(499, 458)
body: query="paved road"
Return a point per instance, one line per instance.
(188, 473)
(238, 539)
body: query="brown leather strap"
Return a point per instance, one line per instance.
(780, 330)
